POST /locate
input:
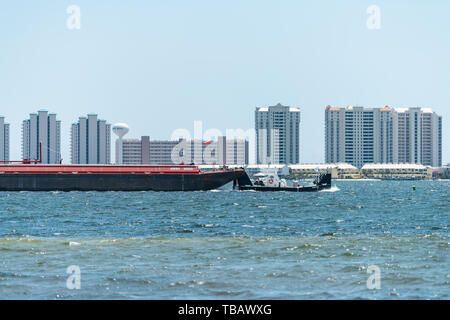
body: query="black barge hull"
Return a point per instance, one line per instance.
(117, 181)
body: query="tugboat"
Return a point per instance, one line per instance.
(271, 182)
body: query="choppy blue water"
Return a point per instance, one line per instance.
(229, 245)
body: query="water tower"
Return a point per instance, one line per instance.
(120, 129)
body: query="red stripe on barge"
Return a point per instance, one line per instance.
(102, 169)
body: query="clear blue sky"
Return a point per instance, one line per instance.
(160, 65)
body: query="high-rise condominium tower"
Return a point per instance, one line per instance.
(277, 135)
(91, 141)
(42, 129)
(358, 135)
(4, 140)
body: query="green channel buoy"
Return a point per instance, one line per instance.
(414, 187)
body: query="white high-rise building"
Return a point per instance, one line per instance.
(358, 135)
(352, 135)
(42, 128)
(91, 141)
(277, 135)
(4, 140)
(420, 136)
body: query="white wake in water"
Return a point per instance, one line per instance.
(332, 189)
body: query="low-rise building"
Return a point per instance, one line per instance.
(146, 151)
(168, 152)
(337, 170)
(442, 172)
(396, 171)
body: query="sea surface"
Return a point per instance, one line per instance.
(226, 244)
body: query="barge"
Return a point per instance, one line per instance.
(58, 177)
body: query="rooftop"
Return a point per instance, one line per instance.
(320, 166)
(393, 166)
(266, 109)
